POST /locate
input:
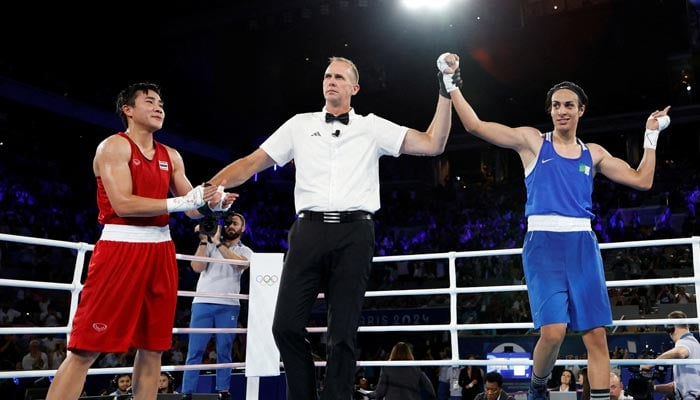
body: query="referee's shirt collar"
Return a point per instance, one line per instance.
(322, 116)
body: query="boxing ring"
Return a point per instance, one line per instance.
(452, 291)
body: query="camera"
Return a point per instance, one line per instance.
(210, 223)
(641, 383)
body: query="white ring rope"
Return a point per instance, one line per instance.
(76, 286)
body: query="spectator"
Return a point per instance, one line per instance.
(493, 388)
(402, 382)
(362, 388)
(52, 317)
(471, 380)
(8, 314)
(57, 355)
(166, 383)
(177, 357)
(617, 388)
(585, 384)
(665, 296)
(448, 378)
(35, 359)
(566, 381)
(682, 297)
(121, 384)
(10, 353)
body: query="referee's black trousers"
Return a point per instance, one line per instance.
(335, 258)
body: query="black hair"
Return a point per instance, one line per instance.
(494, 377)
(115, 380)
(171, 380)
(129, 94)
(582, 97)
(229, 218)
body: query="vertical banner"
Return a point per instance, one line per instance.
(262, 358)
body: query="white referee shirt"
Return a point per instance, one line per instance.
(337, 165)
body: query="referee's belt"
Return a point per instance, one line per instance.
(335, 217)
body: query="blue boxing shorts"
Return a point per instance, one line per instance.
(565, 279)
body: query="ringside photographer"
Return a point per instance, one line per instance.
(686, 377)
(224, 242)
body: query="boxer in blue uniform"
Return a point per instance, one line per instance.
(561, 258)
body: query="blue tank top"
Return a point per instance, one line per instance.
(558, 185)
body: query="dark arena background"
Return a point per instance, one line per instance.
(233, 71)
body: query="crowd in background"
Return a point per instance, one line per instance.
(38, 201)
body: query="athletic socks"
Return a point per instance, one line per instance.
(538, 388)
(537, 381)
(600, 394)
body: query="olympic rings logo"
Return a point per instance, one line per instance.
(268, 280)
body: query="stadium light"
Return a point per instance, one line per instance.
(423, 4)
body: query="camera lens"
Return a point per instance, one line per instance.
(208, 226)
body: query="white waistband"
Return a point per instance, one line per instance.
(557, 223)
(135, 234)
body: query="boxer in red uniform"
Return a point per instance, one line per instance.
(130, 293)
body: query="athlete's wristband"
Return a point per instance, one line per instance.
(202, 243)
(651, 136)
(191, 201)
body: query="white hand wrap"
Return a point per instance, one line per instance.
(191, 201)
(443, 66)
(664, 122)
(651, 136)
(220, 207)
(442, 62)
(449, 84)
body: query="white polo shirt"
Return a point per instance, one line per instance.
(337, 165)
(687, 376)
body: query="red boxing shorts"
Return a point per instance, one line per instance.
(130, 293)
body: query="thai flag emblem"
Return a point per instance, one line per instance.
(163, 165)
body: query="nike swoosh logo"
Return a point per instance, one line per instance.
(547, 160)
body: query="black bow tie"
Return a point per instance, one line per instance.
(343, 118)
